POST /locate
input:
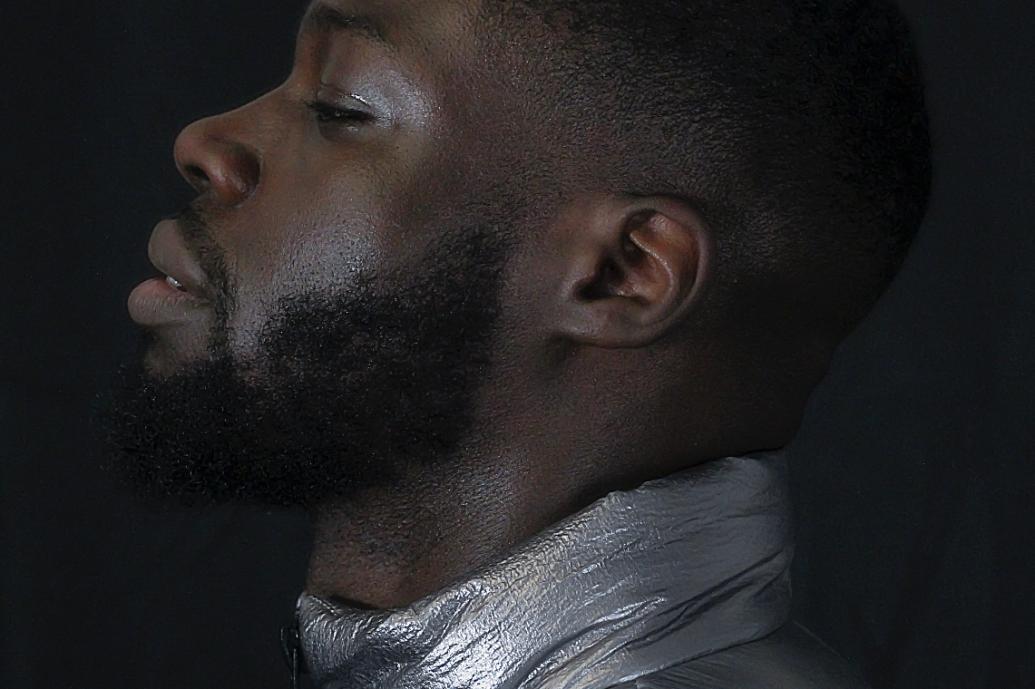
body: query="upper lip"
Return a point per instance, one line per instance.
(169, 254)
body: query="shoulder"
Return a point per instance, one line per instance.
(790, 658)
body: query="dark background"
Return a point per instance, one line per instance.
(913, 470)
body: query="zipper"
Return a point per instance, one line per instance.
(291, 645)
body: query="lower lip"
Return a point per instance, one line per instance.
(156, 302)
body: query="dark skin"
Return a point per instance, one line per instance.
(605, 373)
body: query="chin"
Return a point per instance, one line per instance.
(167, 352)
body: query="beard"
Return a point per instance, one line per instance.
(355, 389)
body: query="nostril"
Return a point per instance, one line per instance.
(216, 165)
(197, 175)
(249, 169)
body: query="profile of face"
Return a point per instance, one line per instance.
(327, 304)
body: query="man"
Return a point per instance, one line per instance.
(520, 300)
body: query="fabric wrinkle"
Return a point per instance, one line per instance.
(641, 579)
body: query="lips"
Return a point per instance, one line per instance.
(180, 293)
(168, 253)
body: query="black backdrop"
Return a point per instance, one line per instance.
(913, 470)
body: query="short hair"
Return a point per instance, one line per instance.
(798, 127)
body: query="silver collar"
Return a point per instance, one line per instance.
(640, 580)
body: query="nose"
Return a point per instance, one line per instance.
(212, 157)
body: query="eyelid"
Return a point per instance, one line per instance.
(335, 108)
(340, 99)
(330, 114)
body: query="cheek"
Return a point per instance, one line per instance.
(312, 242)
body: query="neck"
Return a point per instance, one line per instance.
(388, 547)
(641, 580)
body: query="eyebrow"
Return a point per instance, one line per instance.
(324, 18)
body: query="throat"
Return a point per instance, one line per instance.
(387, 548)
(379, 557)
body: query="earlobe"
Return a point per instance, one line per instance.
(637, 270)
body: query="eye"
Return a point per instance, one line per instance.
(331, 114)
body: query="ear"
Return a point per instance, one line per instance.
(635, 265)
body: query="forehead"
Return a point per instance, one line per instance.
(408, 28)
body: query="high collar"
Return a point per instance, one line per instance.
(640, 580)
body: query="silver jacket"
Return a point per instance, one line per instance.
(682, 582)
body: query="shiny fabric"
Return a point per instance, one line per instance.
(639, 581)
(790, 658)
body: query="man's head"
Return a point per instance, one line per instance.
(599, 239)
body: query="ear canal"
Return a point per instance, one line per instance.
(603, 283)
(610, 279)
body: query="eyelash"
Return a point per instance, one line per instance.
(330, 114)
